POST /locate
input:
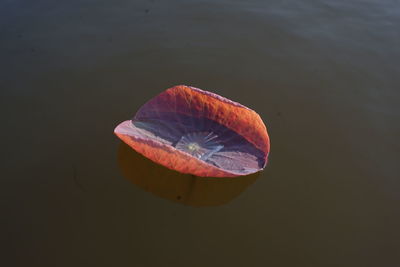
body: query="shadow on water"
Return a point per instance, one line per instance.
(177, 187)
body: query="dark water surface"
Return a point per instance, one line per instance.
(324, 75)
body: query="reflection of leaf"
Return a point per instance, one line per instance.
(177, 187)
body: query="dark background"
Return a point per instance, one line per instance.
(324, 76)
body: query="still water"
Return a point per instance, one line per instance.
(324, 75)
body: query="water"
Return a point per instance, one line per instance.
(324, 76)
(201, 145)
